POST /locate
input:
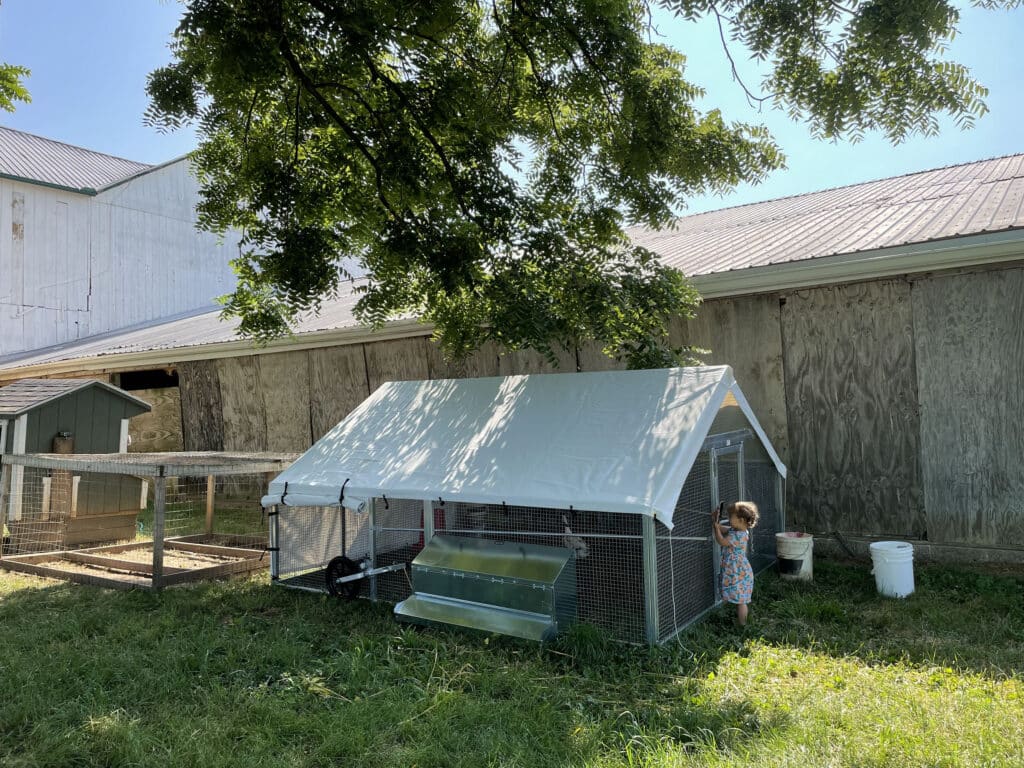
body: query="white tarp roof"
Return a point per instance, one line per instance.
(616, 441)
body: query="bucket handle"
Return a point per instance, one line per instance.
(807, 548)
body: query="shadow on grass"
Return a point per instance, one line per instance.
(244, 674)
(241, 673)
(966, 619)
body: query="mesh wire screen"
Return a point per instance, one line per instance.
(686, 573)
(234, 503)
(98, 526)
(52, 510)
(608, 547)
(310, 537)
(609, 580)
(760, 478)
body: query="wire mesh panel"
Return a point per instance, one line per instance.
(686, 575)
(608, 548)
(397, 538)
(222, 509)
(50, 510)
(310, 537)
(761, 478)
(128, 520)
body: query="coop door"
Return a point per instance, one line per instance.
(727, 487)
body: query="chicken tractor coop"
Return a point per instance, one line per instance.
(129, 520)
(525, 504)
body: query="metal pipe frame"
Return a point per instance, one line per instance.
(650, 550)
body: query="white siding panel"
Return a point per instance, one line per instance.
(73, 265)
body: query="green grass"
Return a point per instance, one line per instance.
(243, 674)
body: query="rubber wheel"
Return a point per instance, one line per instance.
(338, 568)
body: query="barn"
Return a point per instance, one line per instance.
(856, 320)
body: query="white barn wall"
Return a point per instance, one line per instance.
(44, 266)
(74, 265)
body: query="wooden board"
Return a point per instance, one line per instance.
(591, 358)
(745, 333)
(399, 360)
(482, 363)
(852, 410)
(969, 332)
(111, 580)
(245, 421)
(202, 414)
(284, 384)
(337, 384)
(159, 430)
(526, 361)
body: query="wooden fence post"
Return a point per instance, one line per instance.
(210, 488)
(159, 509)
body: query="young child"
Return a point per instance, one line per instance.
(736, 573)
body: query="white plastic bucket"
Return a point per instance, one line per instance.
(796, 555)
(893, 566)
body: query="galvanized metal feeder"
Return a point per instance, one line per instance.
(521, 505)
(523, 590)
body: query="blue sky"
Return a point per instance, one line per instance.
(89, 61)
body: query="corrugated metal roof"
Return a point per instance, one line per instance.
(44, 161)
(959, 201)
(196, 330)
(984, 196)
(24, 395)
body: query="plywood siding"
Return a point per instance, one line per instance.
(337, 384)
(526, 361)
(591, 358)
(241, 393)
(852, 410)
(160, 429)
(202, 413)
(284, 384)
(970, 372)
(480, 364)
(745, 333)
(400, 360)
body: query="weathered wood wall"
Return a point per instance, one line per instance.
(852, 409)
(898, 405)
(746, 334)
(970, 376)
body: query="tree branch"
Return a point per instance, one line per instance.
(391, 85)
(296, 68)
(751, 97)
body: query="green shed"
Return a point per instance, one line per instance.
(70, 416)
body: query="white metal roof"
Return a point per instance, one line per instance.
(26, 157)
(951, 202)
(614, 441)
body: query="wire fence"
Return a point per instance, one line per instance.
(120, 520)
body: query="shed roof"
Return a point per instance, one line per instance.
(37, 160)
(612, 441)
(28, 394)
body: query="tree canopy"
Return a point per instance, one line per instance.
(479, 160)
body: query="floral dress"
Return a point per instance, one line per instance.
(737, 575)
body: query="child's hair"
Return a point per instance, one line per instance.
(745, 511)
